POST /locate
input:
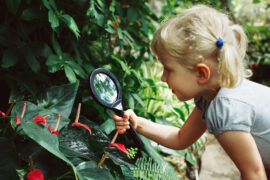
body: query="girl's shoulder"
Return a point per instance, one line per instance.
(247, 91)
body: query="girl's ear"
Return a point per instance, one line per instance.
(203, 73)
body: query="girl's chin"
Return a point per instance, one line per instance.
(181, 98)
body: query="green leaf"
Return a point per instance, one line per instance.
(13, 5)
(123, 65)
(59, 99)
(10, 58)
(187, 107)
(53, 60)
(30, 14)
(33, 110)
(53, 19)
(191, 158)
(138, 98)
(8, 159)
(56, 47)
(54, 68)
(108, 126)
(155, 155)
(46, 4)
(119, 157)
(31, 59)
(89, 171)
(180, 112)
(132, 14)
(50, 4)
(77, 69)
(70, 74)
(130, 101)
(110, 29)
(74, 142)
(127, 172)
(69, 21)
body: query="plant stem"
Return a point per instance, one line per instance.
(23, 110)
(57, 123)
(31, 163)
(78, 113)
(104, 157)
(10, 107)
(45, 117)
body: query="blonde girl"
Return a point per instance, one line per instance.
(202, 53)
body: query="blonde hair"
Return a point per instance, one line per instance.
(191, 37)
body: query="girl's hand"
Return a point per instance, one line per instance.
(122, 123)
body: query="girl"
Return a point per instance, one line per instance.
(202, 53)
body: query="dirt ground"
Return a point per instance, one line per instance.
(216, 165)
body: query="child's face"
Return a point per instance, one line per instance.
(181, 80)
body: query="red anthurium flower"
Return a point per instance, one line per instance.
(3, 114)
(36, 174)
(53, 131)
(40, 119)
(120, 147)
(17, 120)
(82, 125)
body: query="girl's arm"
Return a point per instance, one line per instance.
(242, 149)
(168, 136)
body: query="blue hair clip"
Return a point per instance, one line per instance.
(219, 43)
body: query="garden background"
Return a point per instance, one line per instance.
(48, 49)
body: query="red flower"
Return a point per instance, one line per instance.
(3, 114)
(53, 131)
(120, 147)
(40, 119)
(36, 174)
(17, 120)
(83, 125)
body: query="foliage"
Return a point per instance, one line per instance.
(75, 151)
(255, 18)
(148, 169)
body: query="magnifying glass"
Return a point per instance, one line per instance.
(106, 90)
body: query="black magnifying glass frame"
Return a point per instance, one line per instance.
(116, 106)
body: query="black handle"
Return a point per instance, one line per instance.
(132, 131)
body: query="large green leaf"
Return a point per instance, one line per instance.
(108, 126)
(47, 140)
(74, 142)
(89, 171)
(8, 160)
(59, 99)
(33, 110)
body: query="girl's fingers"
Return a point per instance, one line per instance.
(122, 131)
(122, 123)
(117, 118)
